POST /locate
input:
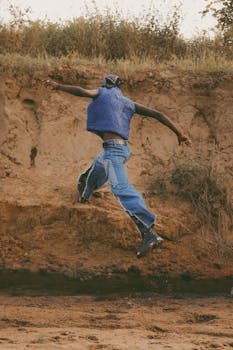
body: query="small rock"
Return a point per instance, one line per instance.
(97, 194)
(93, 338)
(65, 333)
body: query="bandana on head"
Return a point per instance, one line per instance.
(111, 81)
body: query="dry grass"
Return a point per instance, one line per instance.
(71, 66)
(109, 39)
(196, 184)
(205, 65)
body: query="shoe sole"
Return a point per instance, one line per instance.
(82, 181)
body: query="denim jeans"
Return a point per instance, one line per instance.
(109, 166)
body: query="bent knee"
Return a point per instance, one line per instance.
(119, 188)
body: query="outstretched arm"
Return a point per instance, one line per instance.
(162, 118)
(74, 90)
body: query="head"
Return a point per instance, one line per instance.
(111, 81)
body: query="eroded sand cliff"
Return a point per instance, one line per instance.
(44, 146)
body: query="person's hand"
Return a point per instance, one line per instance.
(52, 83)
(184, 139)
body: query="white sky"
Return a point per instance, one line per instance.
(192, 22)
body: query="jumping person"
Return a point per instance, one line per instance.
(108, 116)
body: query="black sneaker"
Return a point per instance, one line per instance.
(150, 240)
(81, 185)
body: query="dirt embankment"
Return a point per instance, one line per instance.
(44, 146)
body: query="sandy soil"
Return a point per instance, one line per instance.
(41, 225)
(116, 323)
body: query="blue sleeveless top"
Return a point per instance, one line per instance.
(110, 111)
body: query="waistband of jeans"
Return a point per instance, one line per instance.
(112, 142)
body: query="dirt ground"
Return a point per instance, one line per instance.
(116, 323)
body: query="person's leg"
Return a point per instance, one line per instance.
(93, 178)
(131, 200)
